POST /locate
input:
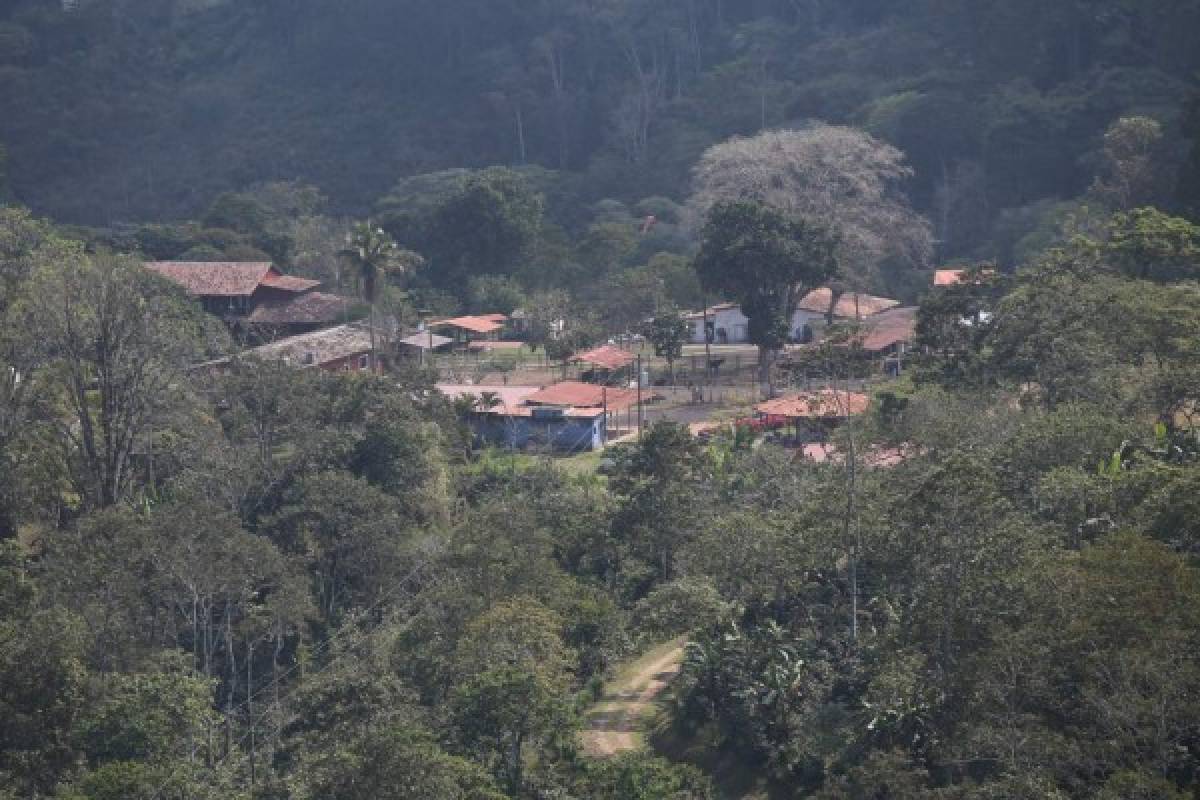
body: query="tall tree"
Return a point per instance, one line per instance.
(841, 176)
(373, 254)
(668, 331)
(766, 261)
(116, 339)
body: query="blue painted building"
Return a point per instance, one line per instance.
(567, 417)
(562, 430)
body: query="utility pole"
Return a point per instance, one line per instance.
(707, 353)
(604, 431)
(639, 394)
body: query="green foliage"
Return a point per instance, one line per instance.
(485, 227)
(766, 262)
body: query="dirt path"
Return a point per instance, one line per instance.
(612, 726)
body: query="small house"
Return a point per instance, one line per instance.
(603, 361)
(726, 324)
(889, 336)
(564, 417)
(254, 294)
(812, 414)
(344, 348)
(465, 330)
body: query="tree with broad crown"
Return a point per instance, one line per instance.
(766, 261)
(844, 177)
(668, 332)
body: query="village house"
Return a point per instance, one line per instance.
(889, 336)
(254, 295)
(343, 348)
(812, 415)
(726, 324)
(603, 362)
(569, 416)
(465, 330)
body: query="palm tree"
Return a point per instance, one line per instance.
(373, 254)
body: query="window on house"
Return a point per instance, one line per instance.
(363, 361)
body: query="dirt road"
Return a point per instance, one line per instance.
(613, 725)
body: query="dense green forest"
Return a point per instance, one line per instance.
(263, 582)
(281, 583)
(117, 111)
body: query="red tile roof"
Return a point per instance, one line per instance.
(607, 357)
(511, 398)
(577, 394)
(289, 283)
(312, 308)
(890, 327)
(214, 278)
(952, 277)
(883, 457)
(849, 305)
(821, 404)
(521, 401)
(493, 317)
(470, 324)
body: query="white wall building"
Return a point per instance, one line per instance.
(728, 325)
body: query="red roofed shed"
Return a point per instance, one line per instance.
(606, 357)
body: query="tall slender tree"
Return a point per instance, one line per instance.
(373, 254)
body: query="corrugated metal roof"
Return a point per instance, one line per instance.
(214, 278)
(608, 357)
(821, 404)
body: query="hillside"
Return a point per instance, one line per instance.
(135, 110)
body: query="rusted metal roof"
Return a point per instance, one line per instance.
(850, 305)
(470, 324)
(214, 278)
(820, 404)
(311, 308)
(608, 357)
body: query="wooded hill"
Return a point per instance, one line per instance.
(129, 110)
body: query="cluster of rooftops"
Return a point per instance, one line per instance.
(300, 323)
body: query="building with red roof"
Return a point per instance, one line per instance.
(567, 417)
(605, 357)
